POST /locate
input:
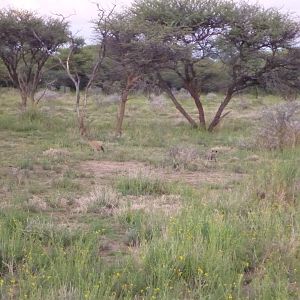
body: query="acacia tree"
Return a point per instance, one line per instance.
(4, 76)
(26, 43)
(254, 46)
(187, 30)
(285, 81)
(247, 39)
(126, 56)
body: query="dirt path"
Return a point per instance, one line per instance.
(108, 169)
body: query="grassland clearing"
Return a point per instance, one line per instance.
(128, 223)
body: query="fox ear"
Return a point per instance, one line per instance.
(102, 148)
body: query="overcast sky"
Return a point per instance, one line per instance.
(83, 11)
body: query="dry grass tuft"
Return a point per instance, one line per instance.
(52, 152)
(183, 157)
(280, 126)
(168, 205)
(103, 199)
(157, 103)
(36, 204)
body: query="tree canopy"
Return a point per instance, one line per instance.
(198, 45)
(26, 42)
(248, 40)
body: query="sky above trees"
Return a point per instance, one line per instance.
(81, 12)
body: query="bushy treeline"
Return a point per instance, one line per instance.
(198, 46)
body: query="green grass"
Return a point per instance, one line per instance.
(142, 185)
(230, 238)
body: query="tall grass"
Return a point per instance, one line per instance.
(140, 184)
(237, 248)
(240, 242)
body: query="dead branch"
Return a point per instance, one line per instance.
(102, 51)
(224, 115)
(63, 18)
(45, 90)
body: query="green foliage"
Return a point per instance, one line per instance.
(142, 185)
(141, 227)
(81, 62)
(255, 43)
(4, 76)
(246, 41)
(278, 182)
(66, 184)
(26, 43)
(29, 121)
(26, 164)
(44, 258)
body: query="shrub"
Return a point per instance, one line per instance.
(103, 198)
(140, 226)
(279, 182)
(183, 157)
(280, 126)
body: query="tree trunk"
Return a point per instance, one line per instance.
(31, 96)
(81, 123)
(131, 81)
(77, 91)
(23, 101)
(181, 109)
(178, 106)
(80, 113)
(218, 116)
(121, 112)
(200, 112)
(193, 92)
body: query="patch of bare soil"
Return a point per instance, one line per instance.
(52, 152)
(251, 115)
(105, 201)
(109, 248)
(169, 205)
(103, 169)
(107, 169)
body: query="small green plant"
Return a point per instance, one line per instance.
(142, 185)
(140, 226)
(46, 164)
(66, 184)
(26, 163)
(32, 114)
